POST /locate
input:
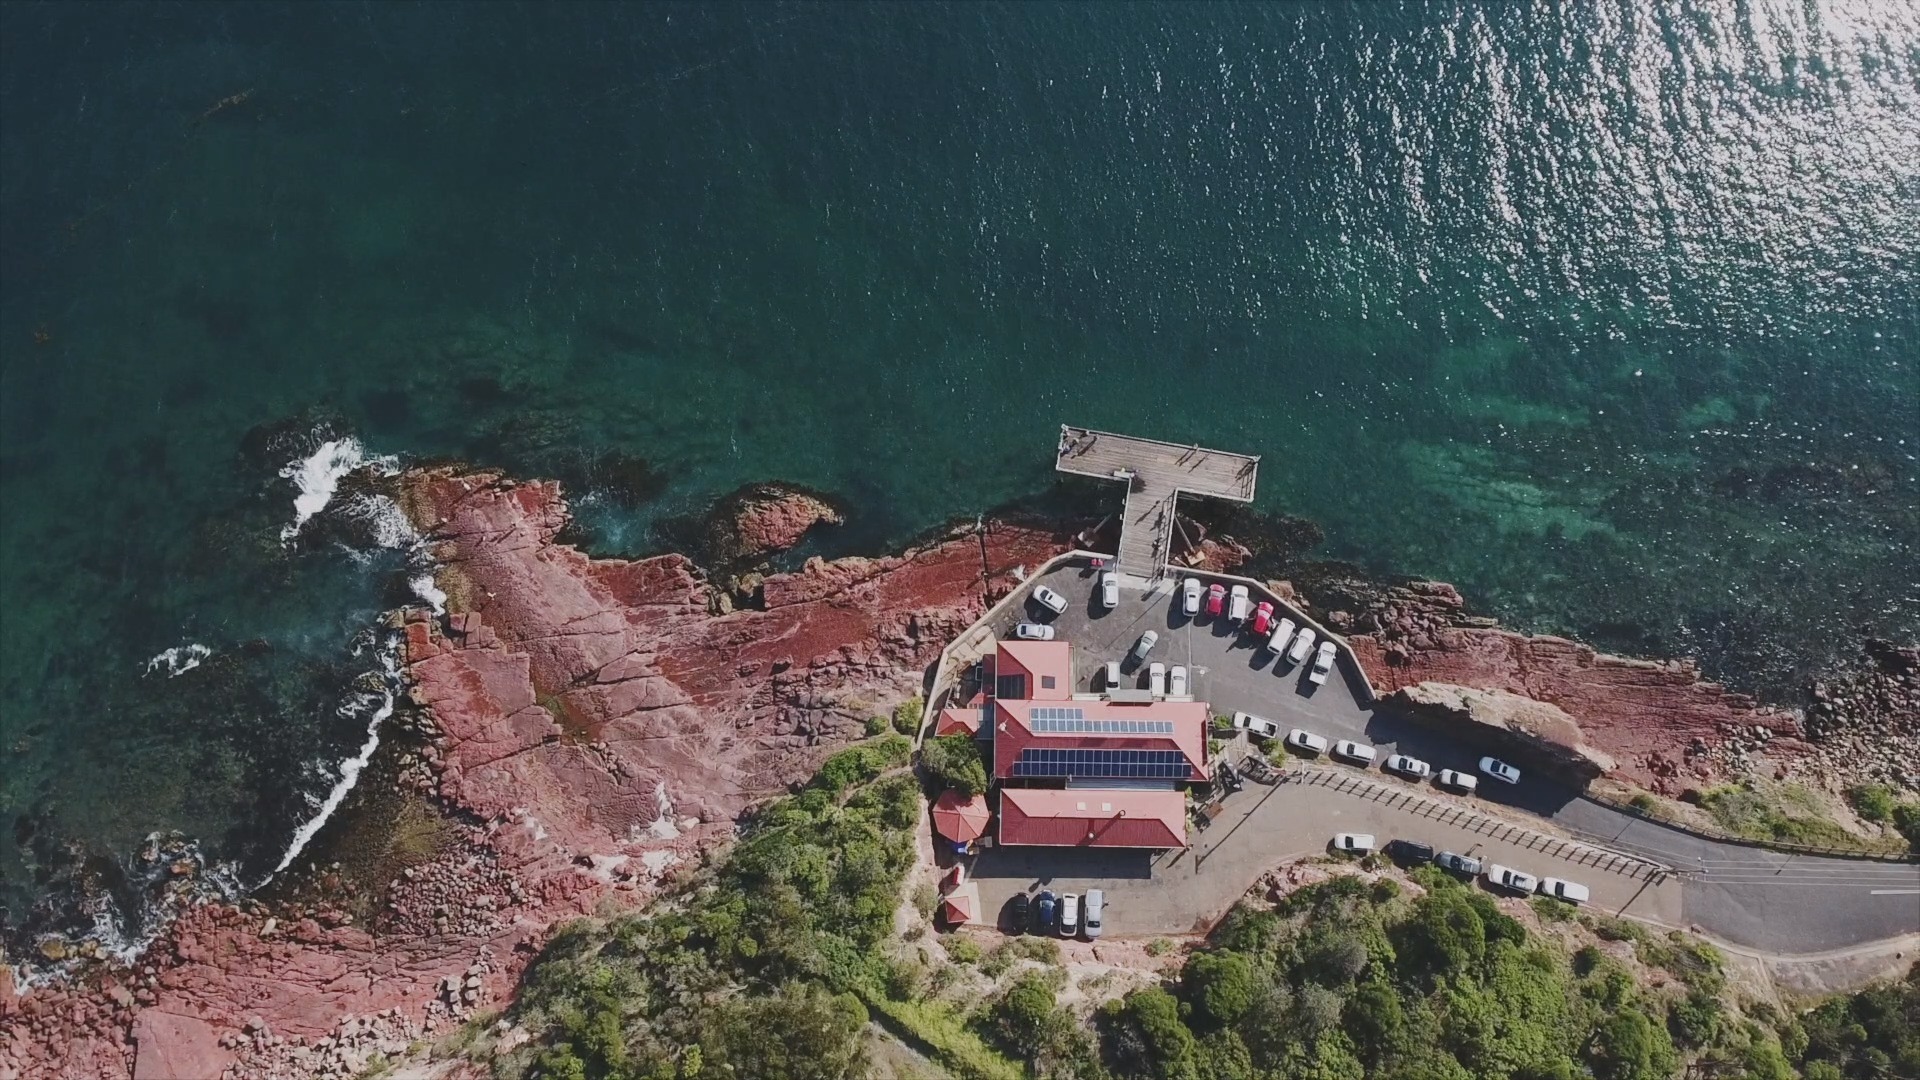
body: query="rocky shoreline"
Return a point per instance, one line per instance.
(582, 729)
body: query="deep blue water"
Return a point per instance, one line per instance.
(1607, 315)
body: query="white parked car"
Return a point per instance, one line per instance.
(1499, 770)
(1306, 741)
(1506, 877)
(1411, 767)
(1458, 781)
(1302, 645)
(1050, 600)
(1560, 889)
(1281, 634)
(1256, 725)
(1190, 596)
(1069, 914)
(1238, 603)
(1353, 843)
(1095, 904)
(1033, 631)
(1177, 681)
(1322, 664)
(1109, 589)
(1358, 753)
(1157, 679)
(1113, 674)
(1145, 645)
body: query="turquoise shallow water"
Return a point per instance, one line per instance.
(1608, 316)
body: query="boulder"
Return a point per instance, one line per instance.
(1524, 732)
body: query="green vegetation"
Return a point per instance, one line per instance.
(1873, 802)
(876, 725)
(771, 966)
(1788, 814)
(774, 963)
(1906, 819)
(907, 716)
(1345, 980)
(955, 761)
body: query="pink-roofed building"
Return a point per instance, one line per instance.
(1093, 817)
(1079, 769)
(1034, 671)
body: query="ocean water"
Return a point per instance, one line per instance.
(1606, 314)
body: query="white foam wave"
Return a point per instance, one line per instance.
(426, 589)
(180, 659)
(318, 476)
(378, 706)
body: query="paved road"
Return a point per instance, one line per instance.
(1750, 896)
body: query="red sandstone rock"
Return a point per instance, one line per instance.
(586, 710)
(171, 1047)
(761, 519)
(1648, 715)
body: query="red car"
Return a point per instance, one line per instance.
(1216, 598)
(1263, 618)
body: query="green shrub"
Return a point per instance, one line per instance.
(1219, 986)
(956, 762)
(876, 725)
(1873, 802)
(1026, 1019)
(962, 949)
(1550, 909)
(1906, 819)
(908, 715)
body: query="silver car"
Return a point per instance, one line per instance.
(1177, 681)
(1190, 596)
(1145, 645)
(1410, 767)
(1109, 590)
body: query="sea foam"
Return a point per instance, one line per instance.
(377, 705)
(180, 659)
(318, 476)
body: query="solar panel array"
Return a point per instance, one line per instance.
(1139, 764)
(1050, 721)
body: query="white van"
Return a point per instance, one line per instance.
(1069, 914)
(1238, 603)
(1157, 679)
(1113, 674)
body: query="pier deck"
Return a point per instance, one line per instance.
(1157, 474)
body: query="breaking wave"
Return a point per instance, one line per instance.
(318, 476)
(180, 659)
(380, 688)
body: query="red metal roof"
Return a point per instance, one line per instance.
(1039, 661)
(1011, 733)
(958, 720)
(1093, 817)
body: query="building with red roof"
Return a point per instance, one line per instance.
(1093, 817)
(1080, 769)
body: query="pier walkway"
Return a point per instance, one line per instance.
(1157, 474)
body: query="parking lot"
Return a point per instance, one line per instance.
(1264, 824)
(1745, 894)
